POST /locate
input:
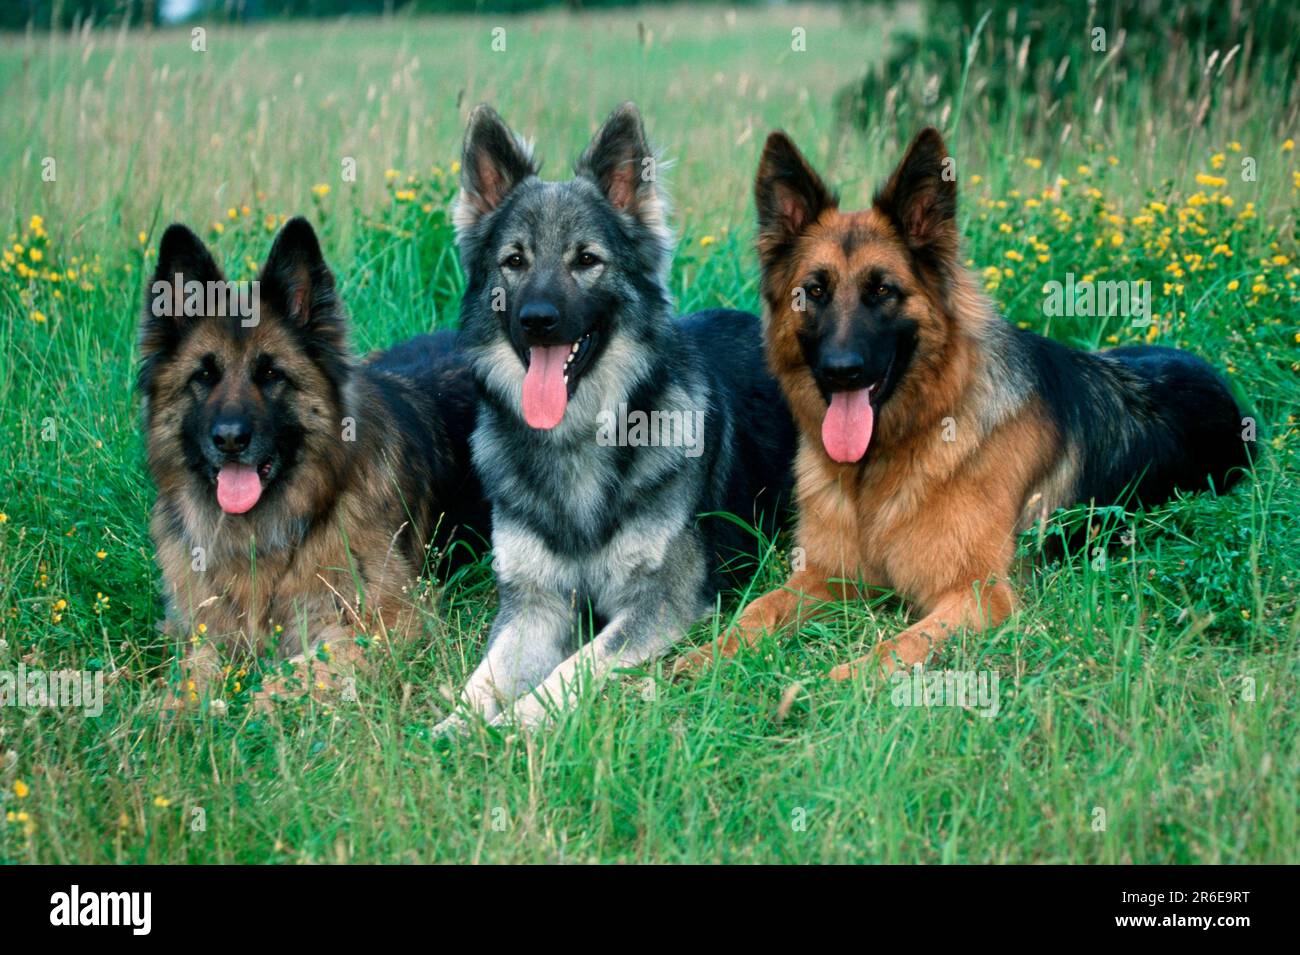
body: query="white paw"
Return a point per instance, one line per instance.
(454, 725)
(528, 713)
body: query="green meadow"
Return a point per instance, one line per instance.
(1146, 699)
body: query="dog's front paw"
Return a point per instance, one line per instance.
(529, 713)
(174, 702)
(908, 649)
(187, 696)
(308, 677)
(701, 658)
(453, 726)
(694, 662)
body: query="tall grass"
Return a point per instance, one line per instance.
(1150, 676)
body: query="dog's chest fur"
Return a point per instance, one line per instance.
(571, 514)
(921, 517)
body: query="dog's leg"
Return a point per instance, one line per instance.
(793, 602)
(332, 658)
(649, 610)
(527, 642)
(629, 640)
(200, 676)
(961, 608)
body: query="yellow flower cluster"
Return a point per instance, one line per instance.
(1183, 241)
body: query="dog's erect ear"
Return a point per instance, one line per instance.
(788, 194)
(182, 259)
(621, 163)
(920, 198)
(494, 161)
(297, 283)
(181, 252)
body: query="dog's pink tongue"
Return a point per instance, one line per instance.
(238, 488)
(545, 393)
(846, 429)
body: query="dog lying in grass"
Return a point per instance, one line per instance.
(932, 431)
(301, 492)
(569, 326)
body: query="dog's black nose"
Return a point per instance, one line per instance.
(539, 318)
(231, 434)
(843, 370)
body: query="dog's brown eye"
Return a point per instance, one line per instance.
(816, 291)
(206, 375)
(880, 291)
(586, 260)
(270, 373)
(514, 261)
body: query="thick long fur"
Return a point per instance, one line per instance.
(367, 482)
(980, 429)
(585, 530)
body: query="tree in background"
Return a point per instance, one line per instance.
(62, 14)
(1191, 58)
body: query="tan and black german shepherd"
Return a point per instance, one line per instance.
(931, 430)
(300, 492)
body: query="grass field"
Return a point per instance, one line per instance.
(1147, 699)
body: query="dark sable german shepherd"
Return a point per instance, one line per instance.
(571, 334)
(300, 492)
(932, 431)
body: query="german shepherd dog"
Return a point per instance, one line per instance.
(931, 430)
(569, 325)
(300, 492)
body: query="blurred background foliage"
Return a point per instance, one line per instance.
(1025, 62)
(1193, 57)
(42, 14)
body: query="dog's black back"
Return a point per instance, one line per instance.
(428, 394)
(752, 479)
(1147, 420)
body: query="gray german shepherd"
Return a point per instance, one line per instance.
(606, 427)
